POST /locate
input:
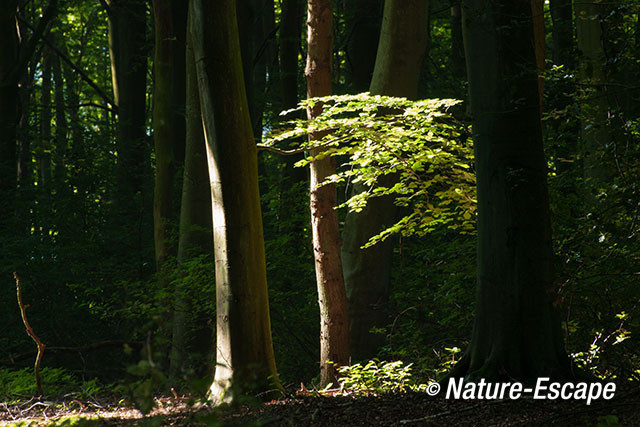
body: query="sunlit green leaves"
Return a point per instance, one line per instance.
(426, 152)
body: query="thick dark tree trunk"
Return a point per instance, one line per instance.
(245, 357)
(289, 49)
(334, 320)
(594, 133)
(364, 17)
(537, 11)
(562, 35)
(127, 28)
(367, 272)
(251, 29)
(9, 46)
(517, 332)
(289, 43)
(168, 120)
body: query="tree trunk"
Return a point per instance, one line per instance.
(457, 45)
(127, 24)
(8, 113)
(245, 357)
(537, 10)
(594, 106)
(562, 35)
(334, 321)
(289, 43)
(62, 127)
(517, 334)
(44, 149)
(251, 30)
(364, 17)
(367, 272)
(168, 120)
(195, 232)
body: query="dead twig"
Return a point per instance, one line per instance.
(40, 344)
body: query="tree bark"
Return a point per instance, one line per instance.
(289, 49)
(457, 44)
(195, 233)
(517, 334)
(44, 149)
(334, 321)
(245, 357)
(62, 127)
(127, 24)
(537, 11)
(251, 30)
(367, 272)
(364, 17)
(594, 107)
(562, 32)
(168, 121)
(9, 46)
(289, 42)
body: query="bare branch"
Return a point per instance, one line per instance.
(40, 344)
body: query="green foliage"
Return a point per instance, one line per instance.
(431, 301)
(594, 199)
(290, 271)
(16, 384)
(378, 377)
(590, 360)
(417, 144)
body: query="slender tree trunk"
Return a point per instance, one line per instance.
(168, 120)
(517, 334)
(76, 153)
(562, 35)
(62, 127)
(594, 106)
(245, 357)
(334, 321)
(44, 149)
(195, 232)
(367, 272)
(457, 44)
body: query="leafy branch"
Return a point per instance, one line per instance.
(423, 151)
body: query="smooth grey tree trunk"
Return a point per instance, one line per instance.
(367, 272)
(191, 333)
(244, 356)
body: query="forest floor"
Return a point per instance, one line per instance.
(411, 409)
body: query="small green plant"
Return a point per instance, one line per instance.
(378, 377)
(590, 359)
(448, 359)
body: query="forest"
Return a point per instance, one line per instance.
(319, 212)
